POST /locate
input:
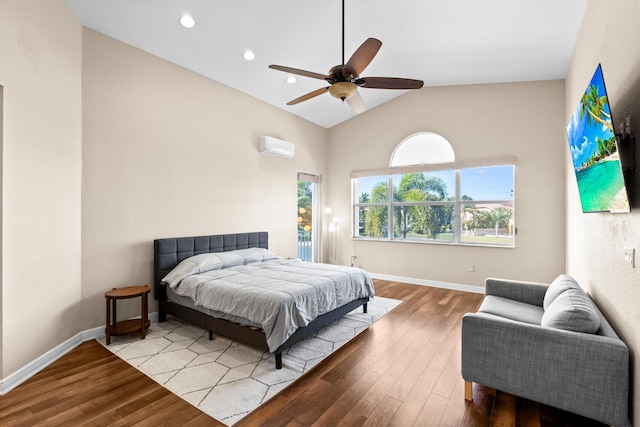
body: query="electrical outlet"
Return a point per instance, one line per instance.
(629, 256)
(472, 268)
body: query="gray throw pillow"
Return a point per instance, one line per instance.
(572, 310)
(561, 283)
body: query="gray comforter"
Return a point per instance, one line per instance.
(280, 295)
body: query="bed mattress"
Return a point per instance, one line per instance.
(187, 302)
(257, 288)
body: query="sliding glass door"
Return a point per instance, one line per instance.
(308, 217)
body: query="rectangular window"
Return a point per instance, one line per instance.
(487, 205)
(371, 208)
(462, 206)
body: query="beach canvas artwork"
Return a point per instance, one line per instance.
(594, 151)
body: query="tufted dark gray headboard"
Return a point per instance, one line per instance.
(167, 253)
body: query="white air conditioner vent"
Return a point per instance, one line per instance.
(276, 147)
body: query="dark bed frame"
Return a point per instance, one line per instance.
(168, 252)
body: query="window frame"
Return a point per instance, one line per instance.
(457, 203)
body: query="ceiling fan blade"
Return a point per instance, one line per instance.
(298, 72)
(356, 103)
(308, 96)
(389, 83)
(362, 57)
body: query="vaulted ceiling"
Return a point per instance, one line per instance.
(450, 42)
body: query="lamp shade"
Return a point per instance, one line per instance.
(342, 90)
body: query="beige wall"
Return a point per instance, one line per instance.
(40, 66)
(169, 153)
(609, 35)
(524, 120)
(1, 227)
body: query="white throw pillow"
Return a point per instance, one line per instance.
(192, 265)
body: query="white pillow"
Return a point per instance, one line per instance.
(230, 259)
(192, 265)
(213, 261)
(252, 255)
(267, 255)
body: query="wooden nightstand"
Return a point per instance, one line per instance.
(125, 327)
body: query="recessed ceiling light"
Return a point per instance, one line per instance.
(187, 21)
(291, 79)
(248, 55)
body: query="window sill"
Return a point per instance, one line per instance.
(432, 242)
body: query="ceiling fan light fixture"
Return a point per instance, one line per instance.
(342, 90)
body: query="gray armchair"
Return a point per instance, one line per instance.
(528, 339)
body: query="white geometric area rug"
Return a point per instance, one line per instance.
(226, 379)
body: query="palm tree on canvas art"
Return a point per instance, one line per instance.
(593, 105)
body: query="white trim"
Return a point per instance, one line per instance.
(463, 164)
(23, 374)
(432, 283)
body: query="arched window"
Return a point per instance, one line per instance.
(427, 196)
(423, 148)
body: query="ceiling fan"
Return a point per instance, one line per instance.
(345, 79)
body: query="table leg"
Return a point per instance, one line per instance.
(143, 315)
(113, 308)
(108, 327)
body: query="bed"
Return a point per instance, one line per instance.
(175, 297)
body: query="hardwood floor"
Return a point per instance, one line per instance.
(403, 371)
(92, 386)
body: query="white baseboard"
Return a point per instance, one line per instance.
(432, 283)
(23, 374)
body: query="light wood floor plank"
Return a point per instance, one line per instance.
(346, 398)
(383, 413)
(432, 411)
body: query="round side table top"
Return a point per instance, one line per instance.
(129, 291)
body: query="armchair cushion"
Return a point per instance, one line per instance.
(572, 310)
(511, 309)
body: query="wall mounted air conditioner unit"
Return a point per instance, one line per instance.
(276, 147)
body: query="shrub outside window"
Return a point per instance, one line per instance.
(472, 206)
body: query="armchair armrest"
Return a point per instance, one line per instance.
(581, 373)
(526, 292)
